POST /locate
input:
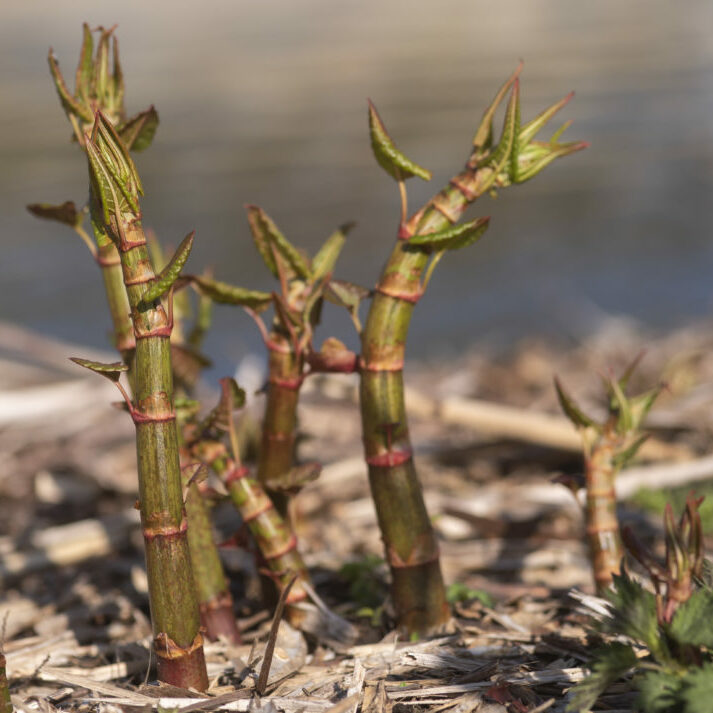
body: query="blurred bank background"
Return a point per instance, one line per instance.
(265, 102)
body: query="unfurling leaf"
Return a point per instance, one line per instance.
(165, 280)
(267, 237)
(573, 413)
(454, 237)
(138, 132)
(110, 371)
(70, 105)
(85, 68)
(66, 212)
(112, 171)
(387, 155)
(224, 293)
(326, 258)
(607, 666)
(502, 155)
(483, 138)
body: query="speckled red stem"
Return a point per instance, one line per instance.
(411, 546)
(602, 525)
(178, 643)
(277, 450)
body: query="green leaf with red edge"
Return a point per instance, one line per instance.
(168, 276)
(138, 132)
(224, 293)
(393, 161)
(112, 372)
(65, 213)
(70, 105)
(267, 237)
(483, 138)
(502, 153)
(453, 237)
(112, 170)
(85, 68)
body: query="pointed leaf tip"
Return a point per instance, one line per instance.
(484, 135)
(573, 413)
(268, 237)
(393, 161)
(224, 293)
(110, 371)
(168, 276)
(138, 132)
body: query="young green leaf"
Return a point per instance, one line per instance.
(66, 212)
(224, 293)
(483, 138)
(267, 237)
(607, 666)
(532, 127)
(387, 155)
(138, 132)
(117, 159)
(501, 155)
(573, 413)
(453, 237)
(70, 105)
(83, 79)
(324, 261)
(165, 279)
(110, 371)
(622, 458)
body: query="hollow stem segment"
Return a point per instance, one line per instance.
(178, 643)
(608, 447)
(411, 546)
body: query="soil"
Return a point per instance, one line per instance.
(74, 599)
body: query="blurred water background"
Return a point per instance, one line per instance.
(265, 102)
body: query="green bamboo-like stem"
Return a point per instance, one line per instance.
(273, 535)
(602, 525)
(215, 601)
(411, 546)
(5, 702)
(178, 644)
(174, 610)
(277, 451)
